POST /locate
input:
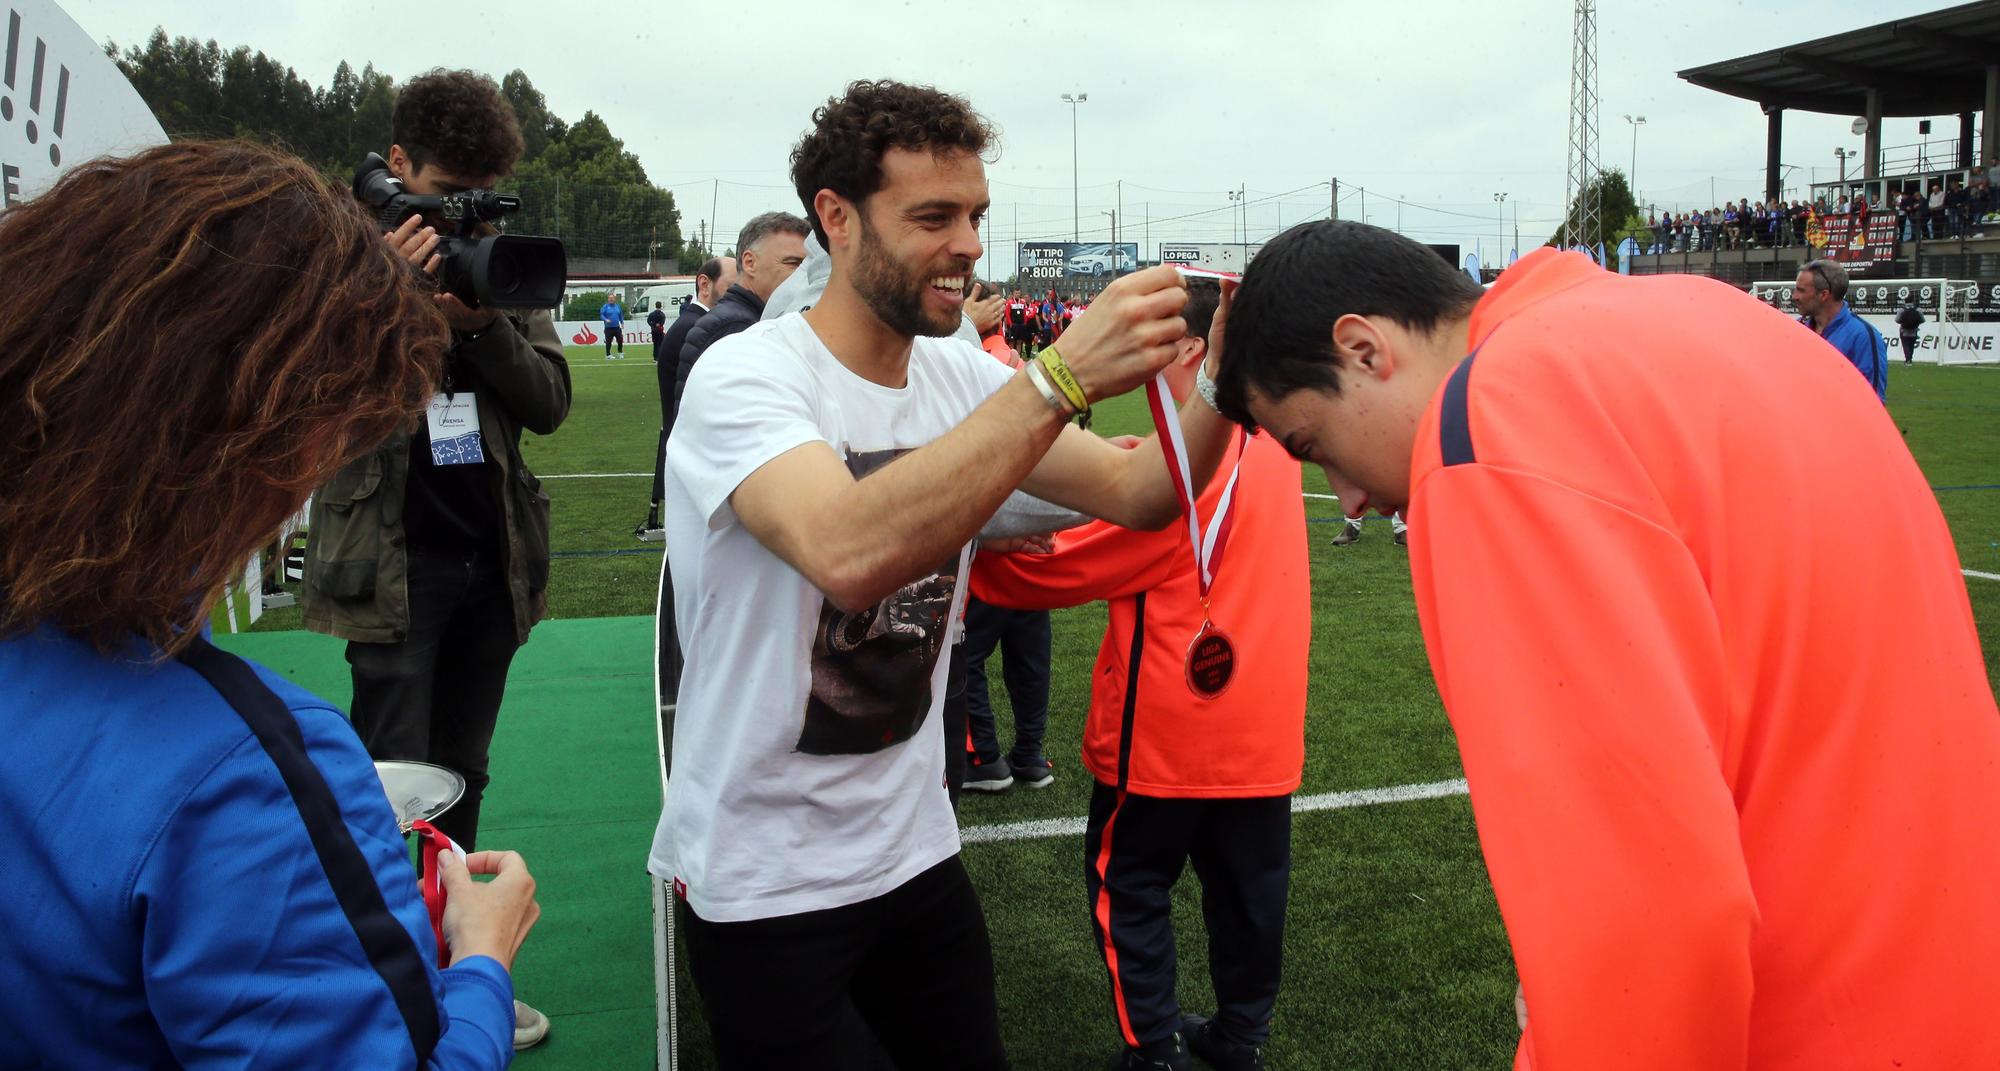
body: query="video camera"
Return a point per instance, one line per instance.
(508, 271)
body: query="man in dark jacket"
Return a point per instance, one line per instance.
(716, 275)
(656, 322)
(1908, 319)
(430, 555)
(769, 249)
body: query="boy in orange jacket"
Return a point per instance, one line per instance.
(1183, 777)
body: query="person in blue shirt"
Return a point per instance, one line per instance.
(614, 326)
(202, 866)
(1820, 294)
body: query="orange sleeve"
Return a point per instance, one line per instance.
(1578, 655)
(1096, 562)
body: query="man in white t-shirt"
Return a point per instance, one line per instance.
(822, 491)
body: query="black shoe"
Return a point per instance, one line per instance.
(1218, 1052)
(1033, 772)
(1350, 533)
(989, 776)
(1175, 1058)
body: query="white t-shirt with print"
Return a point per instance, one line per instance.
(808, 764)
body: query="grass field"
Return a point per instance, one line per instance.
(1395, 956)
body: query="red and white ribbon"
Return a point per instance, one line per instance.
(1208, 546)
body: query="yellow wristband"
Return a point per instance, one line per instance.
(1064, 379)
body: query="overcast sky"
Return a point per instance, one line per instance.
(1440, 104)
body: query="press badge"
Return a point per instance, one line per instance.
(454, 426)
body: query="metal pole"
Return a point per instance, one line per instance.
(714, 193)
(1075, 183)
(1335, 212)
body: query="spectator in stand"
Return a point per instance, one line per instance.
(1745, 217)
(1909, 213)
(1979, 201)
(1820, 295)
(1732, 228)
(768, 250)
(1760, 225)
(1954, 209)
(1934, 220)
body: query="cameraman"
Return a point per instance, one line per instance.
(434, 572)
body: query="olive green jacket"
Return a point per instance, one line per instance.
(357, 563)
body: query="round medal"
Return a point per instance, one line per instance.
(1211, 662)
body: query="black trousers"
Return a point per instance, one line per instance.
(614, 334)
(435, 696)
(1134, 849)
(1023, 639)
(1910, 343)
(915, 962)
(665, 374)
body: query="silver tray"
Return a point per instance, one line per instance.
(418, 790)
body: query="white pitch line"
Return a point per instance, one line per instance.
(592, 475)
(1325, 801)
(1980, 575)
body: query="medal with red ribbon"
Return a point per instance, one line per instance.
(1211, 658)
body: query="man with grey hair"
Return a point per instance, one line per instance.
(768, 250)
(1820, 293)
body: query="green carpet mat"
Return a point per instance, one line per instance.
(575, 790)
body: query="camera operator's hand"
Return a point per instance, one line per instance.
(418, 244)
(464, 318)
(1129, 333)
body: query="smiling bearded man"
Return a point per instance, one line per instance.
(825, 478)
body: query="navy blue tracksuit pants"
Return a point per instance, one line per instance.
(1023, 639)
(1134, 850)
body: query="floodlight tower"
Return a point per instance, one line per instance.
(1583, 190)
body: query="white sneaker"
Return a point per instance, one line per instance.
(530, 1027)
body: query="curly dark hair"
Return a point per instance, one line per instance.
(843, 152)
(210, 331)
(459, 121)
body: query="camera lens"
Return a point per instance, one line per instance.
(503, 274)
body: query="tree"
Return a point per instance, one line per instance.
(1615, 211)
(539, 127)
(577, 182)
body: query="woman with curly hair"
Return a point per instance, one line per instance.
(203, 869)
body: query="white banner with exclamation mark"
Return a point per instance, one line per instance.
(62, 101)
